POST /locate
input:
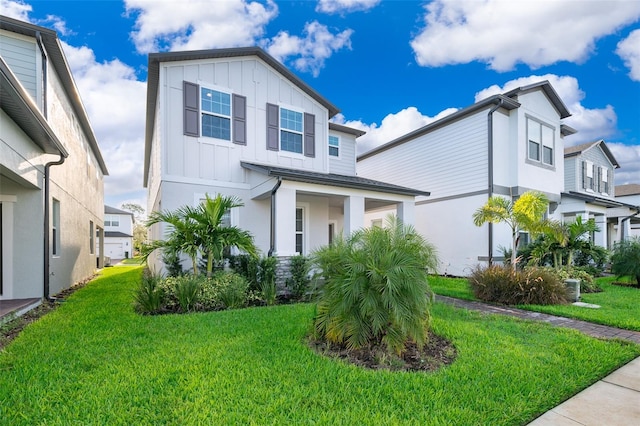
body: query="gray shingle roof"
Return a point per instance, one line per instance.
(628, 189)
(355, 182)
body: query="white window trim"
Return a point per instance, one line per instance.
(339, 147)
(282, 152)
(225, 90)
(305, 226)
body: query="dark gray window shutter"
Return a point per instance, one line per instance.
(584, 175)
(273, 127)
(599, 185)
(239, 119)
(309, 135)
(191, 108)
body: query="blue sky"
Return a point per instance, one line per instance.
(389, 66)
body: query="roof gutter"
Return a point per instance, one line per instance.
(272, 238)
(47, 225)
(490, 171)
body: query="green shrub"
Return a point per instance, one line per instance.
(248, 267)
(298, 282)
(186, 292)
(625, 260)
(535, 286)
(267, 279)
(231, 288)
(171, 260)
(149, 296)
(375, 288)
(587, 283)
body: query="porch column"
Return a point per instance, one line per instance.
(285, 218)
(406, 212)
(601, 237)
(353, 214)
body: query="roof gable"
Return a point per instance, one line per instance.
(548, 90)
(573, 151)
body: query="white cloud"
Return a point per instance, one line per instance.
(592, 124)
(312, 50)
(115, 102)
(503, 33)
(345, 6)
(198, 24)
(628, 157)
(15, 9)
(629, 50)
(391, 127)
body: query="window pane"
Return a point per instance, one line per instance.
(333, 151)
(533, 130)
(534, 151)
(299, 243)
(291, 120)
(216, 127)
(225, 221)
(216, 102)
(291, 142)
(548, 155)
(334, 141)
(298, 220)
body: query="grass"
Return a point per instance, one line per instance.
(619, 306)
(132, 261)
(94, 361)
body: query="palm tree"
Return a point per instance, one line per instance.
(562, 239)
(214, 237)
(200, 230)
(524, 214)
(182, 236)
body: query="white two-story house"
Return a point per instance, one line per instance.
(502, 145)
(590, 193)
(237, 122)
(51, 170)
(118, 233)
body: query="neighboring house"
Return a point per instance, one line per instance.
(51, 169)
(502, 145)
(118, 233)
(629, 194)
(237, 122)
(589, 192)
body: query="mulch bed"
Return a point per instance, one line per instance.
(437, 353)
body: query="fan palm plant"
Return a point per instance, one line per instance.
(376, 289)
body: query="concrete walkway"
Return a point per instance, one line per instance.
(612, 401)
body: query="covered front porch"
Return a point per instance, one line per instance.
(309, 210)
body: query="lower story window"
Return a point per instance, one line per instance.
(300, 230)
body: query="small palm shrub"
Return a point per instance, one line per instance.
(171, 260)
(298, 282)
(587, 283)
(625, 260)
(149, 297)
(533, 285)
(375, 288)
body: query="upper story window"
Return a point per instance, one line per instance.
(216, 114)
(111, 220)
(540, 142)
(291, 130)
(334, 146)
(596, 178)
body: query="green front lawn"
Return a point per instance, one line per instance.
(95, 361)
(620, 306)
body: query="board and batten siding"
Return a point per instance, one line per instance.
(210, 159)
(345, 164)
(23, 57)
(448, 161)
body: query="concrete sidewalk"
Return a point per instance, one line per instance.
(612, 401)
